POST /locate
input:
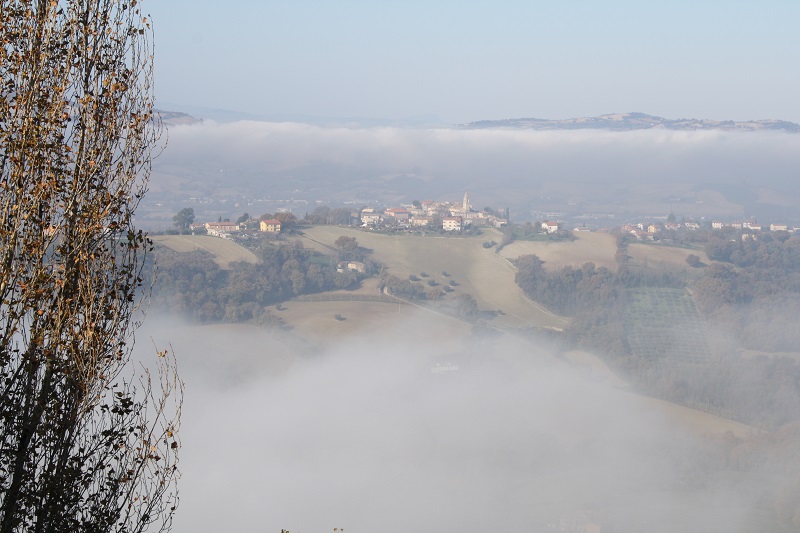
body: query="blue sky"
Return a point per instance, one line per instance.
(469, 60)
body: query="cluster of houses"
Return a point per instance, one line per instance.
(454, 217)
(431, 214)
(225, 229)
(749, 225)
(643, 231)
(649, 232)
(451, 216)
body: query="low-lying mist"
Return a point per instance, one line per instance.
(497, 152)
(381, 433)
(751, 173)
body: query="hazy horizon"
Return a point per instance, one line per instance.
(227, 115)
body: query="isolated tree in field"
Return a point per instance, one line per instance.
(347, 246)
(184, 218)
(340, 215)
(319, 215)
(287, 220)
(87, 442)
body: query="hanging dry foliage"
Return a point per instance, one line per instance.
(85, 445)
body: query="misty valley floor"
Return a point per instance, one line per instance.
(308, 431)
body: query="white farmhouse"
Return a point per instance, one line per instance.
(550, 227)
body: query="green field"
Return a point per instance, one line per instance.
(664, 324)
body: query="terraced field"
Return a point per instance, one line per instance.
(664, 324)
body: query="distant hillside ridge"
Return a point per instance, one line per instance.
(175, 118)
(634, 121)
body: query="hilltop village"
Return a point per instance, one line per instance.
(419, 215)
(431, 214)
(457, 218)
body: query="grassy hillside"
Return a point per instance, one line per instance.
(662, 257)
(478, 271)
(224, 251)
(323, 321)
(598, 248)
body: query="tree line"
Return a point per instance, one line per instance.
(753, 290)
(194, 286)
(753, 306)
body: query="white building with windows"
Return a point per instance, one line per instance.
(451, 223)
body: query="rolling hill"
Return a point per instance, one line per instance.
(223, 250)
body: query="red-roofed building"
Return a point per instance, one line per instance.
(550, 227)
(400, 214)
(221, 229)
(270, 226)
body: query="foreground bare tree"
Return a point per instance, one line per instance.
(87, 442)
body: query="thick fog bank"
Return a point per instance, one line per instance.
(273, 146)
(755, 172)
(382, 433)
